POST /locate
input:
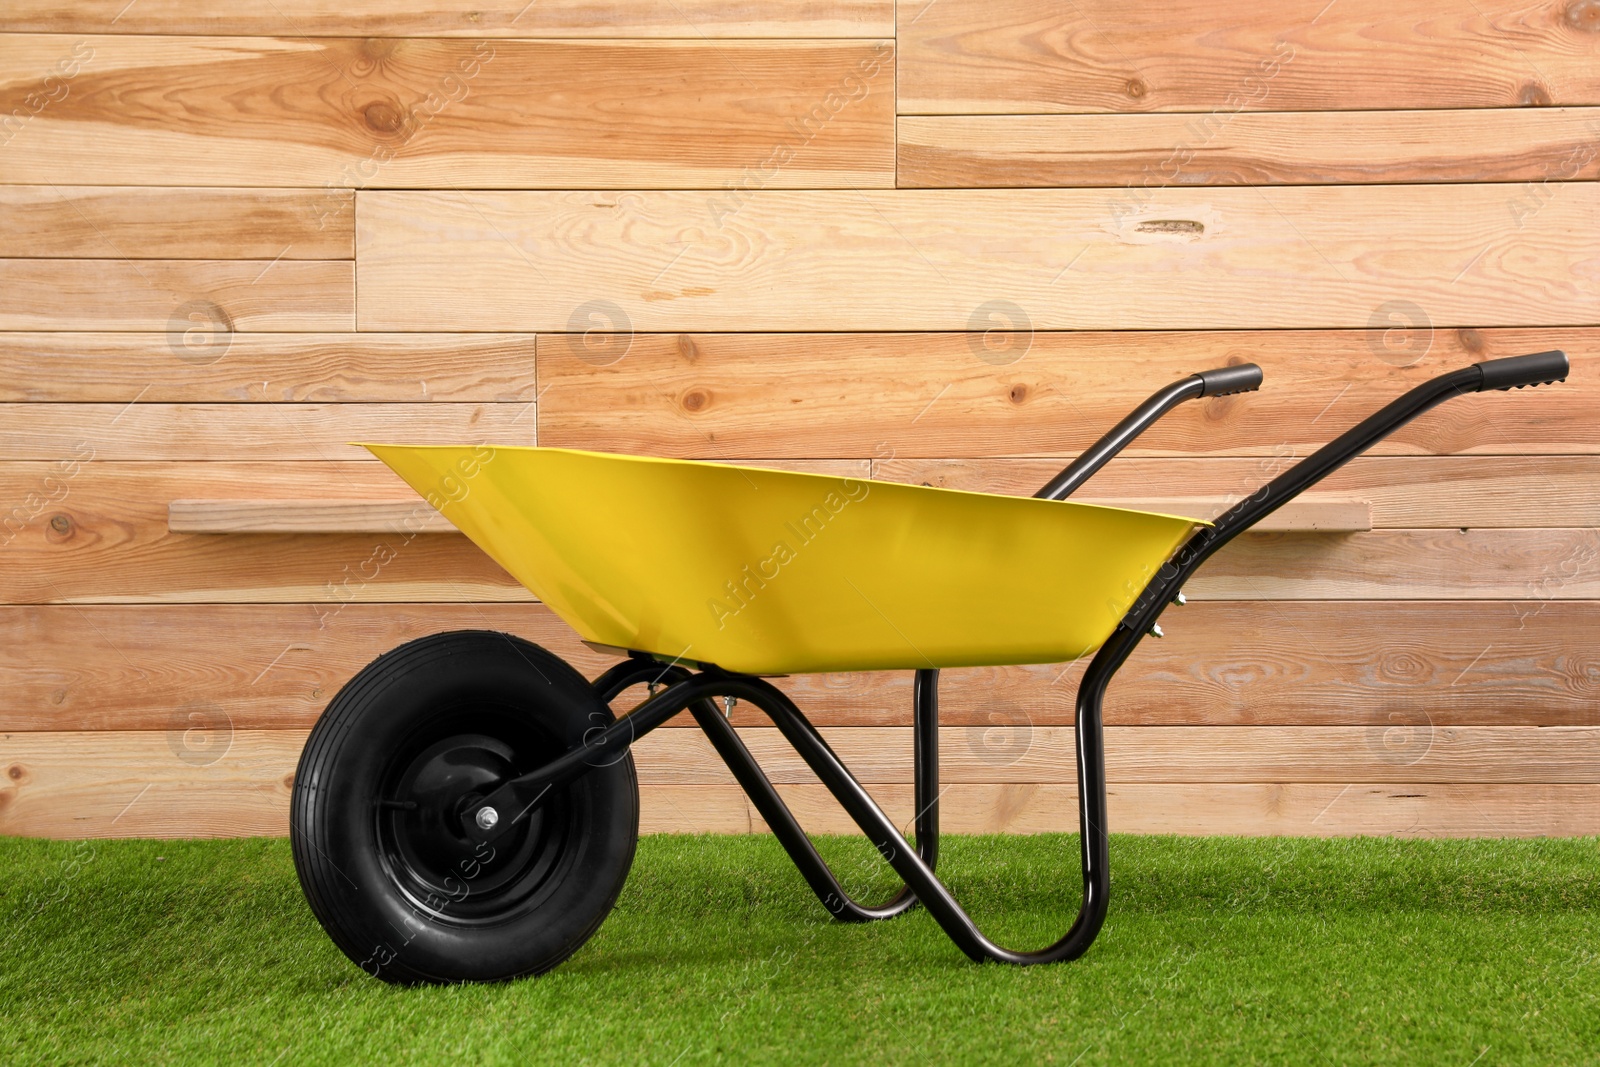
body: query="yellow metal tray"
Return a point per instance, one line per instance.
(775, 572)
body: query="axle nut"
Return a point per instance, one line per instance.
(486, 818)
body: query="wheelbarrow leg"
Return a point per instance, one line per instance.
(917, 873)
(925, 762)
(785, 827)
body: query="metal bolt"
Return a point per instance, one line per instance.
(486, 818)
(1179, 599)
(727, 706)
(1155, 630)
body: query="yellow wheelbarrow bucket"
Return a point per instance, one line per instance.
(775, 572)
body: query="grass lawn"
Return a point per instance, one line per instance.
(1218, 950)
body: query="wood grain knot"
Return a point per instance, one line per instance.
(1471, 340)
(15, 772)
(383, 117)
(1403, 665)
(1137, 88)
(1534, 95)
(1018, 393)
(1584, 672)
(372, 53)
(695, 400)
(1219, 408)
(1172, 227)
(1584, 15)
(62, 528)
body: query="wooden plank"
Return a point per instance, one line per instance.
(364, 516)
(1531, 145)
(1325, 514)
(130, 223)
(1314, 513)
(1292, 257)
(1302, 810)
(1010, 56)
(263, 433)
(1051, 394)
(1402, 492)
(206, 783)
(1412, 666)
(1135, 754)
(200, 297)
(79, 530)
(92, 532)
(344, 113)
(464, 18)
(197, 365)
(97, 531)
(277, 665)
(148, 784)
(303, 516)
(1406, 565)
(1380, 753)
(260, 666)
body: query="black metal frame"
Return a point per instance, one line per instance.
(696, 691)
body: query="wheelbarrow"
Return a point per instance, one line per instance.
(466, 808)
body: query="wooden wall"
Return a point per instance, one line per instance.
(947, 243)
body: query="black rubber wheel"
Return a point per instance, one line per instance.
(408, 745)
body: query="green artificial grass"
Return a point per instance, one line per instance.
(1218, 950)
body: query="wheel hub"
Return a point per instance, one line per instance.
(435, 794)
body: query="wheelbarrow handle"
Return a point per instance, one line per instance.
(1245, 378)
(1514, 372)
(1220, 382)
(1538, 368)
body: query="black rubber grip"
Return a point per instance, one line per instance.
(1244, 378)
(1540, 368)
